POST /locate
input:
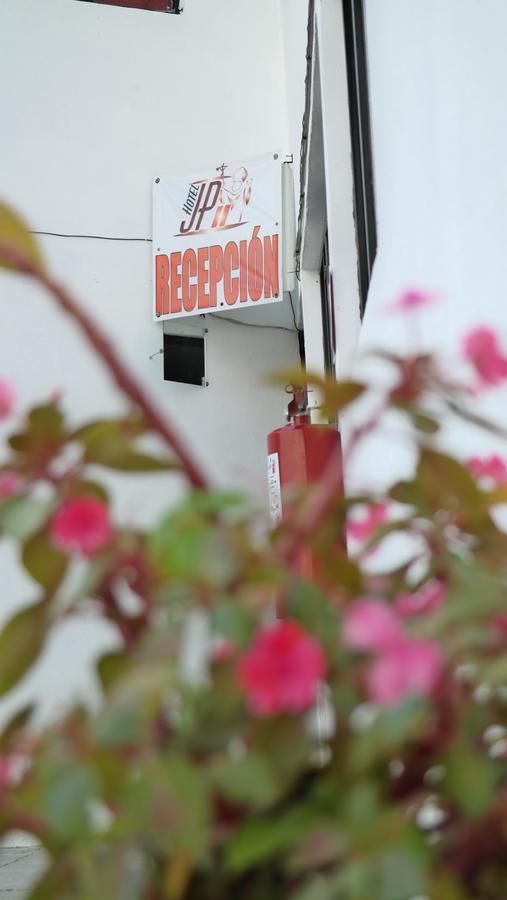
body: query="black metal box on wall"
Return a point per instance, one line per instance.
(185, 358)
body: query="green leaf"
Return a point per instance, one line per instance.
(471, 779)
(406, 492)
(129, 460)
(16, 724)
(445, 483)
(178, 551)
(320, 848)
(169, 806)
(109, 443)
(474, 597)
(287, 741)
(86, 488)
(189, 788)
(231, 620)
(128, 427)
(250, 781)
(45, 563)
(218, 501)
(311, 607)
(21, 516)
(402, 871)
(42, 437)
(423, 421)
(259, 840)
(110, 667)
(392, 729)
(21, 641)
(67, 799)
(336, 395)
(497, 495)
(396, 872)
(47, 420)
(188, 544)
(120, 726)
(14, 234)
(494, 673)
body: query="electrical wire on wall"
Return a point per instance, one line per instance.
(249, 324)
(107, 237)
(93, 237)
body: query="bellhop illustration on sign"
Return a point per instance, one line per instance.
(217, 239)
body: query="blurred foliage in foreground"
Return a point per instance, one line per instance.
(353, 747)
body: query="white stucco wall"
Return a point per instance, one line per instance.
(294, 25)
(437, 71)
(94, 102)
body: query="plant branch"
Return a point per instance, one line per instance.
(117, 368)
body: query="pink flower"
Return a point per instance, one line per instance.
(481, 347)
(409, 668)
(81, 524)
(412, 299)
(10, 483)
(371, 625)
(7, 398)
(427, 599)
(362, 528)
(492, 467)
(282, 670)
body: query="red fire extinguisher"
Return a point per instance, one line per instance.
(297, 455)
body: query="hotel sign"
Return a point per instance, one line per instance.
(217, 239)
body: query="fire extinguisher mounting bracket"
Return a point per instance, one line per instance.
(297, 409)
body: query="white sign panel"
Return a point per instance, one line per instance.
(217, 239)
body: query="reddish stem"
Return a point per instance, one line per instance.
(117, 368)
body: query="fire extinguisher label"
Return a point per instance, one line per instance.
(274, 489)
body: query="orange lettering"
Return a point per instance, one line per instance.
(231, 261)
(271, 266)
(243, 271)
(162, 285)
(255, 255)
(202, 277)
(216, 271)
(188, 271)
(175, 282)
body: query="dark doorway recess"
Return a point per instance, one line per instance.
(359, 108)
